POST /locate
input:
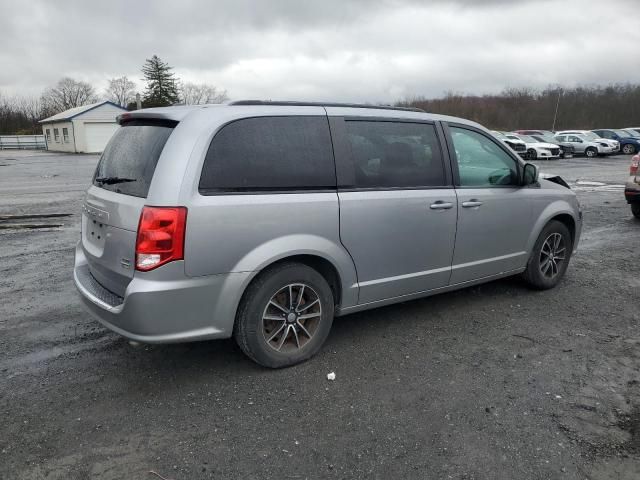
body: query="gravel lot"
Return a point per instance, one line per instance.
(491, 382)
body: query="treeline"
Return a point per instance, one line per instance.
(20, 114)
(584, 107)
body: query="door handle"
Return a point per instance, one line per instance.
(471, 203)
(440, 205)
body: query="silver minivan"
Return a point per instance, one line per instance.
(265, 220)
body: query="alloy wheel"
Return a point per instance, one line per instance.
(552, 255)
(291, 317)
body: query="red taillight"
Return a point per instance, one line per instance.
(635, 161)
(160, 236)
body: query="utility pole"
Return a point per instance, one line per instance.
(555, 115)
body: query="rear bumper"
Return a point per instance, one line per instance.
(632, 190)
(164, 306)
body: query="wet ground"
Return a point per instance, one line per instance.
(491, 382)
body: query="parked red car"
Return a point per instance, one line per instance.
(632, 188)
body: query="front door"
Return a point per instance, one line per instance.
(398, 209)
(494, 212)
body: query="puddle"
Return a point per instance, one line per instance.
(35, 215)
(590, 186)
(593, 184)
(22, 222)
(28, 226)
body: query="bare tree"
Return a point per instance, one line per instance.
(583, 107)
(19, 114)
(121, 91)
(201, 93)
(67, 93)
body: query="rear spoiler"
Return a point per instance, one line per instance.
(171, 114)
(129, 116)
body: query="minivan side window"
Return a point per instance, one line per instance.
(270, 154)
(481, 162)
(389, 154)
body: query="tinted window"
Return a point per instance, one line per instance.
(129, 159)
(270, 153)
(395, 154)
(481, 162)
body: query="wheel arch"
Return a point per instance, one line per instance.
(568, 222)
(561, 211)
(327, 257)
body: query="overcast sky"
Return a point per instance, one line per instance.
(343, 50)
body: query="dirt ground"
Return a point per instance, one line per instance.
(491, 382)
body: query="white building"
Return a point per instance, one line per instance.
(85, 129)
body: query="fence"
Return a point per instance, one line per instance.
(22, 142)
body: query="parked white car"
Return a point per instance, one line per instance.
(537, 149)
(516, 145)
(592, 137)
(582, 145)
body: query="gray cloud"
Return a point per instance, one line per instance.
(355, 50)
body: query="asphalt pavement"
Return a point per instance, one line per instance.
(491, 382)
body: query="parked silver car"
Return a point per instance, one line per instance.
(585, 146)
(605, 146)
(264, 220)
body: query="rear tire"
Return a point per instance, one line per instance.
(273, 314)
(591, 152)
(550, 256)
(635, 209)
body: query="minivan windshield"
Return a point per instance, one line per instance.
(129, 159)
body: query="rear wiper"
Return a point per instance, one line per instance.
(113, 180)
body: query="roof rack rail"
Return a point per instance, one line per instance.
(322, 104)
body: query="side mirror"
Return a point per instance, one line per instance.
(529, 174)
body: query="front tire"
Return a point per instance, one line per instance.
(285, 315)
(550, 256)
(635, 209)
(591, 152)
(532, 154)
(628, 149)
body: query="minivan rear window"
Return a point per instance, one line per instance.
(129, 159)
(270, 154)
